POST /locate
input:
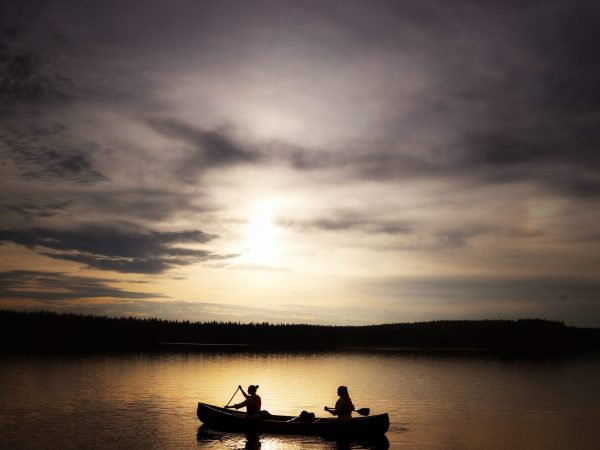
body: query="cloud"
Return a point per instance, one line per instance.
(572, 71)
(121, 250)
(51, 153)
(499, 101)
(153, 204)
(488, 289)
(108, 202)
(208, 149)
(337, 222)
(386, 126)
(30, 208)
(58, 288)
(528, 101)
(405, 235)
(494, 101)
(32, 89)
(25, 77)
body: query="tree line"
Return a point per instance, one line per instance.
(49, 332)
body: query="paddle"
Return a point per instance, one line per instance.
(238, 388)
(361, 411)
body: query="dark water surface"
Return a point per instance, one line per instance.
(148, 400)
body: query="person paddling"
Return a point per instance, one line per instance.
(252, 402)
(343, 407)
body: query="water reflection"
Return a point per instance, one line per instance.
(146, 401)
(228, 440)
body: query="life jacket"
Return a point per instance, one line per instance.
(254, 404)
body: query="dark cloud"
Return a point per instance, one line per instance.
(530, 109)
(58, 288)
(562, 165)
(25, 76)
(209, 148)
(51, 153)
(454, 238)
(110, 203)
(512, 95)
(136, 205)
(407, 236)
(31, 85)
(438, 238)
(22, 79)
(570, 42)
(348, 222)
(30, 208)
(121, 250)
(152, 204)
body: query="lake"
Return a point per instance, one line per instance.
(435, 401)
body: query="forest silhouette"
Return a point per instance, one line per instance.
(49, 332)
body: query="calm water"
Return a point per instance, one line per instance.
(435, 402)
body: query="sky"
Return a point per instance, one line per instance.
(328, 162)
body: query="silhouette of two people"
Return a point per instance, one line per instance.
(343, 407)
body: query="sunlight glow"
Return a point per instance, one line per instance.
(261, 234)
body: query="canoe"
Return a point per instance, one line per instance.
(229, 420)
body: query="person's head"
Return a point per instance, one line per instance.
(252, 389)
(342, 390)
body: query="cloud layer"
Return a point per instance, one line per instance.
(394, 140)
(120, 250)
(57, 288)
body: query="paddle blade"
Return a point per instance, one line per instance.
(363, 411)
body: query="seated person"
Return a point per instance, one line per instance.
(252, 402)
(343, 407)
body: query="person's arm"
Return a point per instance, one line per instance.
(238, 405)
(330, 410)
(242, 391)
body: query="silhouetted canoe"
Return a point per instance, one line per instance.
(229, 420)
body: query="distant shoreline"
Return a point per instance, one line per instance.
(193, 345)
(48, 332)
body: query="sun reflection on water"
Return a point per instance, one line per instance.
(228, 440)
(149, 400)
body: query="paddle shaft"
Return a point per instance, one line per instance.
(361, 411)
(238, 388)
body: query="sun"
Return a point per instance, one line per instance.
(261, 234)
